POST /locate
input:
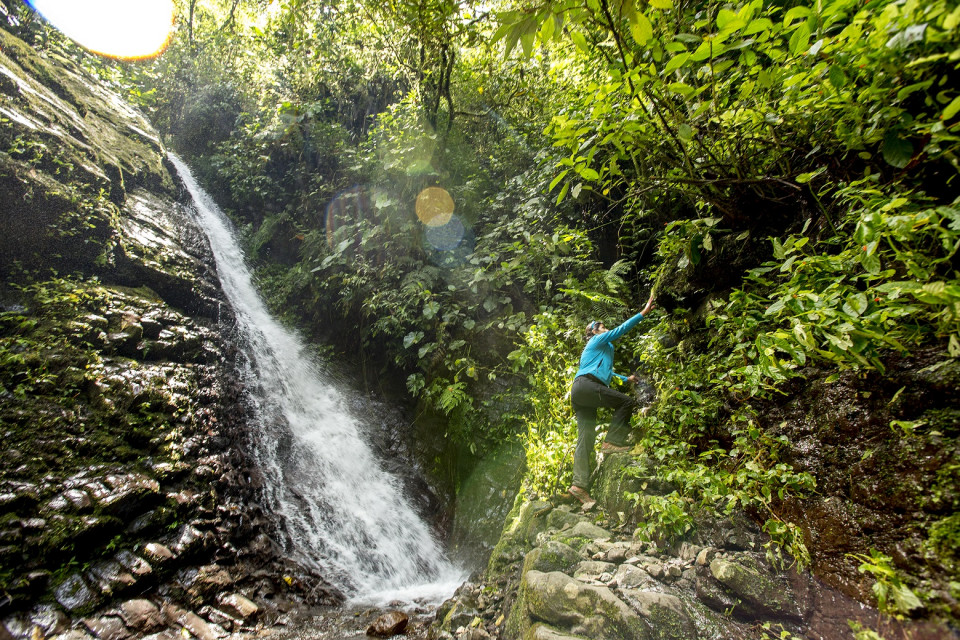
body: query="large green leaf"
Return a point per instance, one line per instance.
(641, 29)
(676, 62)
(951, 109)
(896, 150)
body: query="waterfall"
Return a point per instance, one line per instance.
(342, 512)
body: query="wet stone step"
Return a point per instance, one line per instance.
(142, 616)
(158, 553)
(110, 577)
(193, 623)
(240, 606)
(134, 564)
(190, 539)
(107, 628)
(74, 594)
(222, 618)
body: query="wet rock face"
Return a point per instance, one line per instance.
(69, 153)
(879, 485)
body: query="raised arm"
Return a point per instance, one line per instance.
(617, 332)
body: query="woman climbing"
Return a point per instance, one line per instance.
(591, 391)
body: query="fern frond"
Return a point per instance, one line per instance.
(594, 297)
(613, 277)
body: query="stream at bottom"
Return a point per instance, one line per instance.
(352, 621)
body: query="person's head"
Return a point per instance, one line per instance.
(594, 328)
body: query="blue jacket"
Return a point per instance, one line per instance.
(597, 357)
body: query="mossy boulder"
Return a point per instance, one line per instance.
(758, 591)
(623, 473)
(552, 556)
(572, 606)
(666, 613)
(563, 518)
(525, 520)
(582, 534)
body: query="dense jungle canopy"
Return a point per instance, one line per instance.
(446, 192)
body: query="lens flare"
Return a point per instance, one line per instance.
(457, 256)
(115, 28)
(445, 237)
(435, 207)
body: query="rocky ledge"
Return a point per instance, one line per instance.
(561, 574)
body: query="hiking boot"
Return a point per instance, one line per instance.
(581, 494)
(609, 447)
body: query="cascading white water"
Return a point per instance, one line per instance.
(342, 512)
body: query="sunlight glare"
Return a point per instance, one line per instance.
(114, 28)
(446, 237)
(434, 206)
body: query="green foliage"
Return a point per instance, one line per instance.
(681, 437)
(690, 239)
(716, 97)
(893, 596)
(941, 543)
(888, 285)
(863, 633)
(663, 517)
(601, 293)
(547, 357)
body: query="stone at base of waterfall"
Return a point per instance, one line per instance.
(142, 616)
(192, 623)
(389, 624)
(239, 605)
(461, 614)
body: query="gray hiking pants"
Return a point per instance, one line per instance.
(587, 395)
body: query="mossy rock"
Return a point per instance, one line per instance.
(563, 518)
(552, 556)
(541, 631)
(571, 606)
(668, 616)
(582, 534)
(622, 473)
(760, 592)
(525, 520)
(69, 158)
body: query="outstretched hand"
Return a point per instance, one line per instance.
(649, 306)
